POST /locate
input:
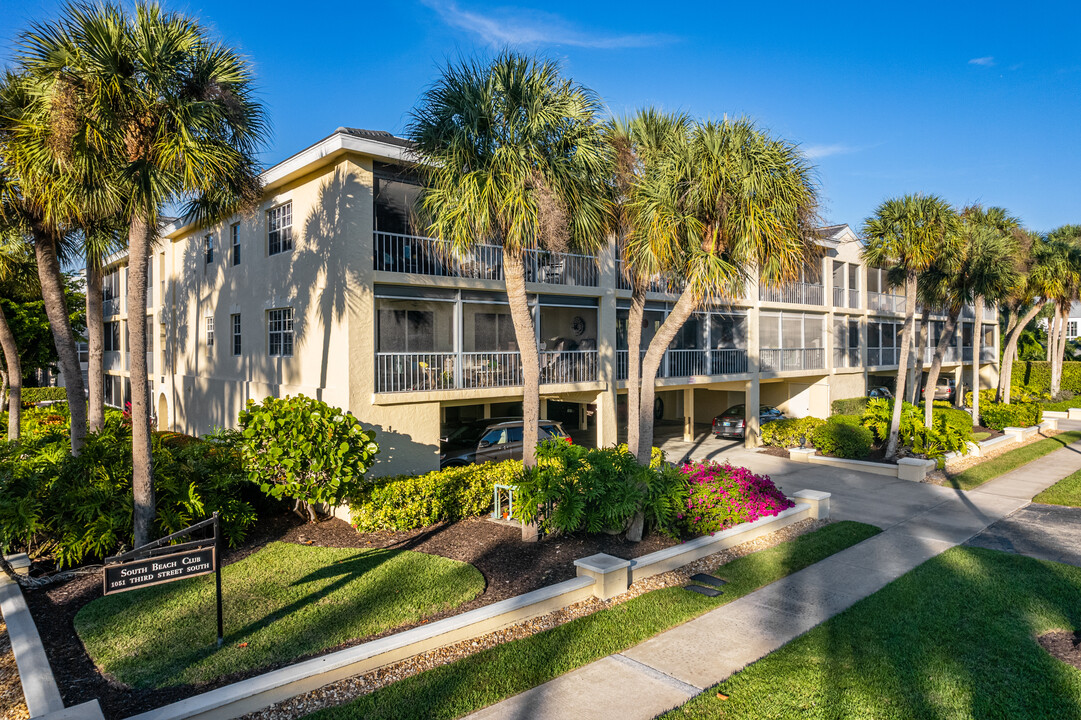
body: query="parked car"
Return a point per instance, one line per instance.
(491, 439)
(732, 422)
(881, 392)
(944, 389)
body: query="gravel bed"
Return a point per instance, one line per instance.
(12, 703)
(345, 690)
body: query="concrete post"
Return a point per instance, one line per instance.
(606, 344)
(752, 397)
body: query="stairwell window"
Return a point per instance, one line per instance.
(234, 232)
(209, 243)
(280, 229)
(234, 320)
(280, 332)
(209, 335)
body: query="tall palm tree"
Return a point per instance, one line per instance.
(169, 114)
(907, 232)
(513, 156)
(733, 202)
(42, 204)
(990, 270)
(98, 243)
(939, 287)
(1066, 241)
(1019, 307)
(640, 147)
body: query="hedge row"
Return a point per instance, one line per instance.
(1000, 415)
(850, 406)
(1036, 375)
(41, 394)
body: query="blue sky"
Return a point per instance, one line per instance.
(980, 102)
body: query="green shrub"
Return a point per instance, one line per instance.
(305, 449)
(409, 502)
(1000, 415)
(31, 395)
(850, 406)
(843, 440)
(949, 432)
(790, 432)
(1035, 376)
(1062, 405)
(575, 488)
(846, 420)
(81, 507)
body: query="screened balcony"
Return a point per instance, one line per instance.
(467, 342)
(885, 302)
(792, 341)
(709, 343)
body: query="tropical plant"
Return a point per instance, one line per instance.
(513, 156)
(304, 449)
(1065, 243)
(908, 233)
(16, 264)
(722, 495)
(166, 116)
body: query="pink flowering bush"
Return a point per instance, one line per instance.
(722, 496)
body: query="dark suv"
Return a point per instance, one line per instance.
(478, 441)
(731, 423)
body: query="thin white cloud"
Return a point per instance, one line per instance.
(522, 27)
(987, 61)
(816, 152)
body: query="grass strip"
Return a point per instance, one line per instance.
(990, 469)
(281, 603)
(954, 638)
(1066, 491)
(475, 682)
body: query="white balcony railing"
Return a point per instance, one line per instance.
(112, 360)
(838, 297)
(846, 357)
(885, 302)
(853, 298)
(886, 356)
(110, 307)
(429, 256)
(780, 359)
(686, 363)
(793, 293)
(419, 372)
(657, 284)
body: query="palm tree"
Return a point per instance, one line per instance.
(990, 270)
(939, 287)
(16, 267)
(640, 147)
(41, 204)
(168, 114)
(1019, 307)
(98, 243)
(734, 201)
(909, 233)
(513, 156)
(1066, 242)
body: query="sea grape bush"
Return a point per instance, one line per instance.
(723, 495)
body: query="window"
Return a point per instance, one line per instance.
(112, 337)
(209, 242)
(150, 334)
(234, 321)
(1071, 329)
(280, 229)
(280, 332)
(395, 198)
(883, 342)
(209, 334)
(234, 231)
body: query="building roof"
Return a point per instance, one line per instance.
(378, 135)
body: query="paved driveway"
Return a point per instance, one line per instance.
(1045, 532)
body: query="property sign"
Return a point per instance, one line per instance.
(160, 569)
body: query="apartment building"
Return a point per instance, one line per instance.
(327, 290)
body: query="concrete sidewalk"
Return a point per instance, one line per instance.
(918, 520)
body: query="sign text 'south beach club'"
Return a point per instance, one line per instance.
(164, 568)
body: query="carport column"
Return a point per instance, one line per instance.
(544, 409)
(958, 385)
(688, 414)
(606, 344)
(751, 393)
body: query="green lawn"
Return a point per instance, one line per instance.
(954, 638)
(990, 469)
(980, 436)
(1066, 491)
(475, 682)
(284, 601)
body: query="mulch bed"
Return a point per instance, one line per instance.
(774, 451)
(510, 567)
(1064, 645)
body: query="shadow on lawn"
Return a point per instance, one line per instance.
(1063, 439)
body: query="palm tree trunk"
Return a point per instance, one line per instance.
(56, 309)
(95, 340)
(1051, 334)
(139, 240)
(921, 343)
(14, 376)
(526, 334)
(977, 342)
(944, 342)
(1010, 355)
(906, 344)
(1056, 345)
(1005, 362)
(651, 364)
(634, 363)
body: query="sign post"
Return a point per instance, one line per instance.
(159, 562)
